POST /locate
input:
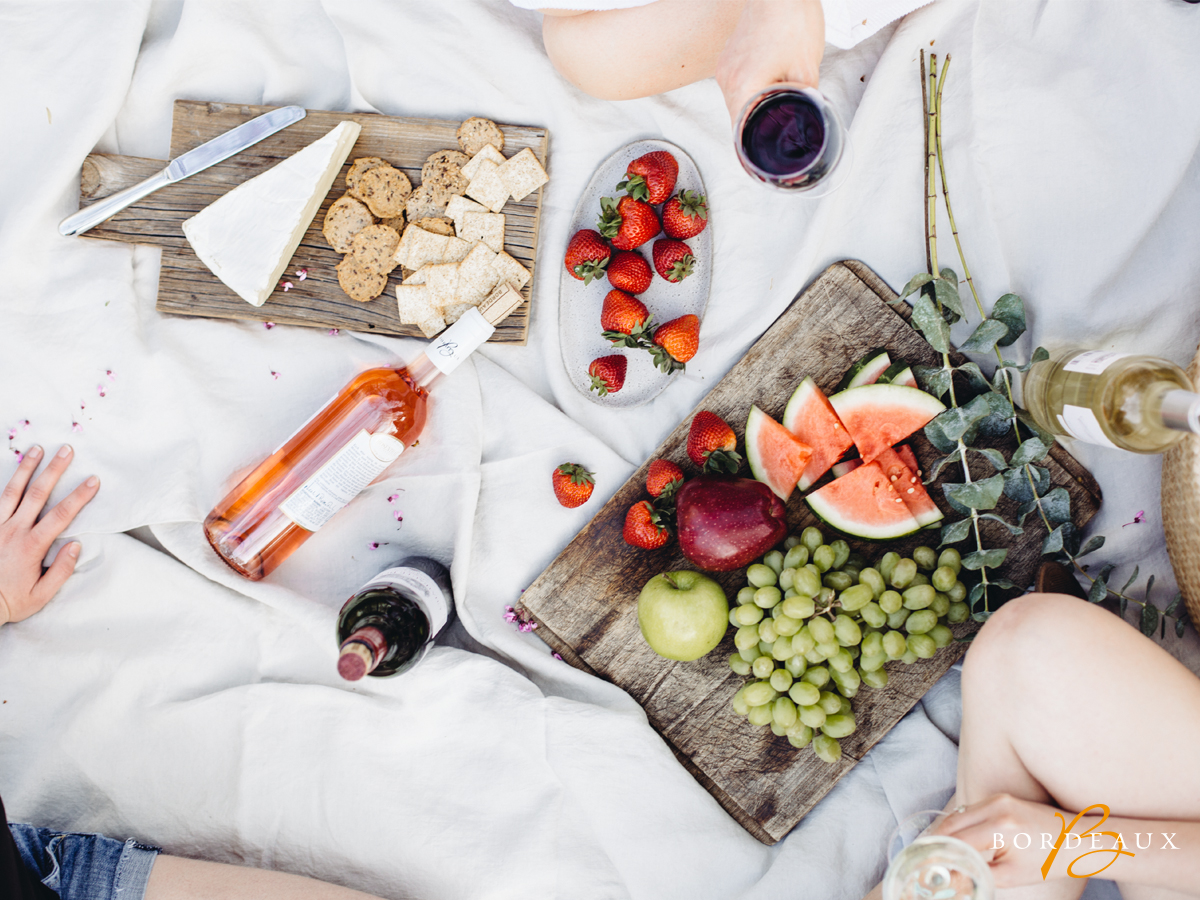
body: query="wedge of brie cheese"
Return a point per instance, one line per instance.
(248, 236)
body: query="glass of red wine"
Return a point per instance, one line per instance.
(790, 137)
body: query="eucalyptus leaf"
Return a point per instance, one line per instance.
(945, 290)
(931, 324)
(1179, 623)
(1098, 591)
(1149, 620)
(992, 427)
(977, 382)
(1024, 510)
(954, 504)
(1003, 583)
(1174, 604)
(1000, 380)
(1094, 543)
(955, 532)
(1057, 505)
(1031, 450)
(993, 456)
(957, 420)
(949, 274)
(1129, 583)
(1035, 429)
(1122, 604)
(976, 593)
(1010, 310)
(1149, 587)
(984, 558)
(942, 462)
(985, 336)
(936, 435)
(1053, 542)
(982, 616)
(1017, 482)
(979, 495)
(915, 284)
(1012, 529)
(1106, 571)
(934, 379)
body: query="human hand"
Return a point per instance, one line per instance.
(992, 827)
(774, 41)
(24, 541)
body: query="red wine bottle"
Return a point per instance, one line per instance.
(390, 623)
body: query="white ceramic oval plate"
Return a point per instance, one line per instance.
(579, 305)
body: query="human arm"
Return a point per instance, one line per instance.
(25, 540)
(1018, 836)
(774, 41)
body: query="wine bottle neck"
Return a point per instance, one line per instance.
(1181, 411)
(422, 372)
(361, 652)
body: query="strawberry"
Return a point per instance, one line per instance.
(712, 444)
(685, 215)
(629, 271)
(608, 374)
(625, 320)
(673, 259)
(573, 484)
(675, 342)
(663, 479)
(644, 527)
(651, 177)
(587, 255)
(628, 223)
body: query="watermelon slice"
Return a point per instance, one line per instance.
(845, 467)
(908, 485)
(776, 456)
(880, 415)
(909, 458)
(810, 417)
(900, 373)
(867, 370)
(864, 504)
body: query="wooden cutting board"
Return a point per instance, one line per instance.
(187, 287)
(586, 600)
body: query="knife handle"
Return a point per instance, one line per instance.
(91, 216)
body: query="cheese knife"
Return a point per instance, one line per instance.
(209, 153)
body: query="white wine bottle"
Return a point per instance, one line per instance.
(1128, 402)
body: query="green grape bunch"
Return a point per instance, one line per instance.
(815, 624)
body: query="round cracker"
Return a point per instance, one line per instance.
(358, 282)
(374, 248)
(445, 169)
(474, 132)
(396, 222)
(346, 218)
(427, 201)
(436, 225)
(358, 169)
(384, 190)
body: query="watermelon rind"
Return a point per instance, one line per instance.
(891, 404)
(866, 370)
(845, 467)
(761, 430)
(908, 484)
(825, 504)
(900, 373)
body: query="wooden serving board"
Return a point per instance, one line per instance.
(586, 600)
(187, 287)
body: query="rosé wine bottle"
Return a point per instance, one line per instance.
(340, 450)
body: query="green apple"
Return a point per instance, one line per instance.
(683, 615)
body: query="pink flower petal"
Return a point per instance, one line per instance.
(287, 286)
(374, 545)
(398, 515)
(20, 456)
(12, 436)
(24, 423)
(1138, 519)
(111, 376)
(101, 391)
(334, 332)
(556, 656)
(268, 325)
(274, 374)
(393, 498)
(302, 274)
(76, 427)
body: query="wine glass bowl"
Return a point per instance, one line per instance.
(791, 138)
(923, 865)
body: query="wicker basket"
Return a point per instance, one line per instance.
(1181, 510)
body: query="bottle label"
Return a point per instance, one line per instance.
(1080, 422)
(341, 479)
(423, 589)
(1093, 362)
(460, 340)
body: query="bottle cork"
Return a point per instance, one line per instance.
(500, 303)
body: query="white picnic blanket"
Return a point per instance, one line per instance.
(160, 696)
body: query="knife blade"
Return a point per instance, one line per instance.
(207, 154)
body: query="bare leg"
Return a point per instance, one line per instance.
(622, 54)
(175, 878)
(1065, 704)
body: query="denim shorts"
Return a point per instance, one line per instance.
(85, 866)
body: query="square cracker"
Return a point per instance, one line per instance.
(455, 311)
(419, 247)
(460, 205)
(510, 271)
(484, 226)
(489, 153)
(457, 249)
(418, 277)
(442, 282)
(476, 275)
(523, 174)
(488, 187)
(415, 308)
